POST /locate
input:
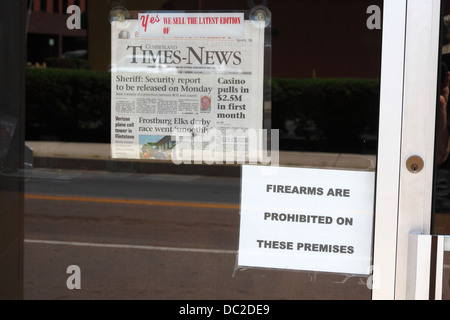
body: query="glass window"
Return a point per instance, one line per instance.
(441, 206)
(442, 188)
(151, 229)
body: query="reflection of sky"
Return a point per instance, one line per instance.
(146, 139)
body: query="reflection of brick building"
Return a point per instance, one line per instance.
(327, 38)
(48, 35)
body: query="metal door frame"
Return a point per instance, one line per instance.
(407, 128)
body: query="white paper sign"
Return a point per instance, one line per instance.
(306, 219)
(156, 24)
(179, 98)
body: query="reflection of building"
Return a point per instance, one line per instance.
(307, 40)
(48, 35)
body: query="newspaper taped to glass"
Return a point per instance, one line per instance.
(187, 99)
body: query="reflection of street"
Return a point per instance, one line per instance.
(150, 237)
(129, 185)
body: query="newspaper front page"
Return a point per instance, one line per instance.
(185, 98)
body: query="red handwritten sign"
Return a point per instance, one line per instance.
(220, 24)
(146, 19)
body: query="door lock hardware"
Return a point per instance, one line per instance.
(414, 164)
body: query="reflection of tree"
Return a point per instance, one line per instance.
(299, 126)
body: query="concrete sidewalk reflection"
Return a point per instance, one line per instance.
(97, 156)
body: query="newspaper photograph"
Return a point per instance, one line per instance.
(186, 98)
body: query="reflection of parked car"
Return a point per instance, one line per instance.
(24, 173)
(28, 162)
(77, 54)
